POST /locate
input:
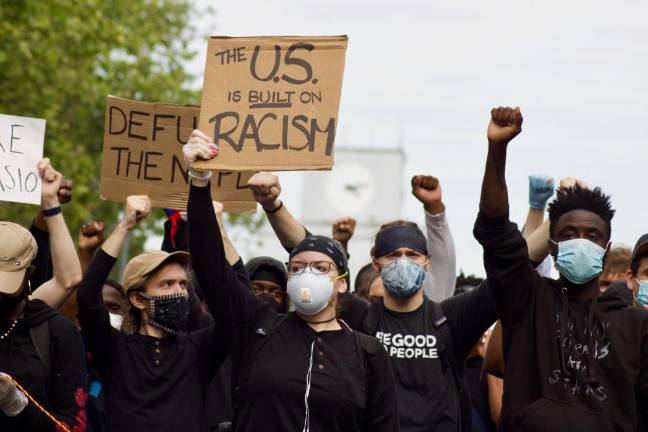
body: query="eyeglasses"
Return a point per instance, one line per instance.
(316, 267)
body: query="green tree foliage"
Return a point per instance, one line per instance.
(59, 59)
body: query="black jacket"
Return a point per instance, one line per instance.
(570, 366)
(62, 391)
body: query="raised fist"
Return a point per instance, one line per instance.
(137, 208)
(505, 124)
(427, 190)
(266, 189)
(541, 188)
(91, 236)
(51, 182)
(570, 182)
(65, 191)
(343, 229)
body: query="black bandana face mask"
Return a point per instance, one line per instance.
(168, 312)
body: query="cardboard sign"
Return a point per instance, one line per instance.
(142, 155)
(21, 147)
(271, 103)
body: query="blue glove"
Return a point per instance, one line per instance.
(541, 188)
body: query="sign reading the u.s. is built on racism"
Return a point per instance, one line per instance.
(271, 103)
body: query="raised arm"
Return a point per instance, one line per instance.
(65, 262)
(439, 283)
(91, 236)
(343, 230)
(505, 124)
(266, 189)
(506, 257)
(541, 189)
(93, 314)
(232, 305)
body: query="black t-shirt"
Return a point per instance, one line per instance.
(477, 387)
(428, 397)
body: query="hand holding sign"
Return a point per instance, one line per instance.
(137, 208)
(266, 190)
(51, 182)
(200, 146)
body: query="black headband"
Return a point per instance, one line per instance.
(329, 247)
(397, 237)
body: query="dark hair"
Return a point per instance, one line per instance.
(383, 227)
(465, 283)
(579, 198)
(114, 284)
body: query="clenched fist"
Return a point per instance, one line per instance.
(266, 190)
(505, 124)
(343, 230)
(137, 208)
(427, 190)
(51, 182)
(91, 236)
(199, 146)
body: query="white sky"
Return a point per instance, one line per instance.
(431, 71)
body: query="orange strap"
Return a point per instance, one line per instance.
(43, 410)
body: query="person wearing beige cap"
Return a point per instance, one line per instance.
(39, 349)
(152, 363)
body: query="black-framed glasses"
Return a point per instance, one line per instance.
(316, 267)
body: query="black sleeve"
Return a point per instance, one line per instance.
(242, 274)
(381, 412)
(510, 275)
(198, 319)
(66, 389)
(93, 314)
(233, 306)
(469, 315)
(43, 261)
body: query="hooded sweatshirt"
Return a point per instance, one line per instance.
(570, 365)
(63, 392)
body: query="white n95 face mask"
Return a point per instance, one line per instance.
(116, 320)
(310, 293)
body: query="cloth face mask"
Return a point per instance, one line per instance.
(168, 312)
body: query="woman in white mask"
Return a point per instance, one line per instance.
(299, 371)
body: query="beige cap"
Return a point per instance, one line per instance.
(144, 264)
(17, 250)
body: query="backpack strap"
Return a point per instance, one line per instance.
(448, 358)
(40, 336)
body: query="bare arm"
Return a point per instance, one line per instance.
(541, 188)
(505, 124)
(534, 220)
(65, 262)
(495, 393)
(266, 189)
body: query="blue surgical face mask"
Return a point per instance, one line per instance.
(642, 295)
(403, 277)
(579, 260)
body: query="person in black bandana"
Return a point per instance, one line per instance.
(153, 364)
(268, 279)
(299, 371)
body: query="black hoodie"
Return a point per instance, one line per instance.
(62, 393)
(570, 366)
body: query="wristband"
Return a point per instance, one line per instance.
(275, 210)
(200, 175)
(52, 211)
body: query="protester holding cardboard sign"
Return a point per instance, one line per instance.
(302, 370)
(152, 363)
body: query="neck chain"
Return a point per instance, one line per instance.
(8, 332)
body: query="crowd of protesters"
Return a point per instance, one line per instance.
(192, 338)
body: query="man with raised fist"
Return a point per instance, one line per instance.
(576, 359)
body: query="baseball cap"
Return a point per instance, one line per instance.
(640, 249)
(17, 250)
(144, 264)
